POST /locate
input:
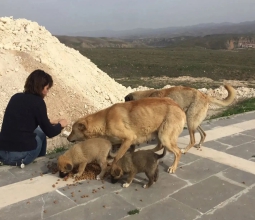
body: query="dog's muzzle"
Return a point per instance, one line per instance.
(62, 174)
(128, 98)
(69, 139)
(113, 180)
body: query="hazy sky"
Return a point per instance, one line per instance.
(71, 16)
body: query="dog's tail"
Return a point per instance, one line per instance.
(228, 100)
(161, 155)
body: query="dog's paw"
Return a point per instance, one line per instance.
(170, 170)
(77, 175)
(98, 177)
(125, 185)
(145, 186)
(198, 146)
(183, 151)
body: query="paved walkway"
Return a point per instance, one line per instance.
(215, 183)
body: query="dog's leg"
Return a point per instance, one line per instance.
(103, 166)
(195, 115)
(129, 180)
(81, 169)
(192, 140)
(177, 153)
(202, 134)
(123, 149)
(151, 179)
(158, 147)
(156, 175)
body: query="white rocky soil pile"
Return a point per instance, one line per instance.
(80, 87)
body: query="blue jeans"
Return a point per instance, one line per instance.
(15, 158)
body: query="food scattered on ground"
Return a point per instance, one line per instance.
(90, 173)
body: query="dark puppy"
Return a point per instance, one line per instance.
(136, 162)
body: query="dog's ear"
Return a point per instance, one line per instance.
(68, 167)
(117, 172)
(157, 94)
(81, 126)
(128, 98)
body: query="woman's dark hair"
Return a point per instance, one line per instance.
(36, 81)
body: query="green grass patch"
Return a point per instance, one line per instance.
(133, 212)
(56, 150)
(129, 66)
(173, 62)
(241, 107)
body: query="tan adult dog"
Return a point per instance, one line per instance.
(134, 123)
(192, 101)
(82, 153)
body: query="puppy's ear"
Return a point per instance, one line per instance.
(132, 148)
(117, 172)
(81, 126)
(68, 167)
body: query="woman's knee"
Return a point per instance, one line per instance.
(40, 133)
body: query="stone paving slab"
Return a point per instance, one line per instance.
(199, 170)
(140, 197)
(107, 207)
(165, 210)
(239, 176)
(245, 116)
(37, 207)
(249, 132)
(216, 145)
(185, 158)
(14, 174)
(236, 139)
(229, 142)
(213, 191)
(240, 207)
(226, 121)
(7, 177)
(85, 191)
(245, 151)
(229, 120)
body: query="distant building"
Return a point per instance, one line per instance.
(245, 43)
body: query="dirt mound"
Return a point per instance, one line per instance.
(79, 86)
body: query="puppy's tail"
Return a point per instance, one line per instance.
(161, 155)
(228, 100)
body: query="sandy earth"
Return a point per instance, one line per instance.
(80, 87)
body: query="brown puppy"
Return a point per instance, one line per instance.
(134, 123)
(192, 101)
(136, 162)
(83, 153)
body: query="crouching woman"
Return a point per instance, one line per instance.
(26, 124)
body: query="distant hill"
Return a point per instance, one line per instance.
(215, 42)
(169, 32)
(90, 42)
